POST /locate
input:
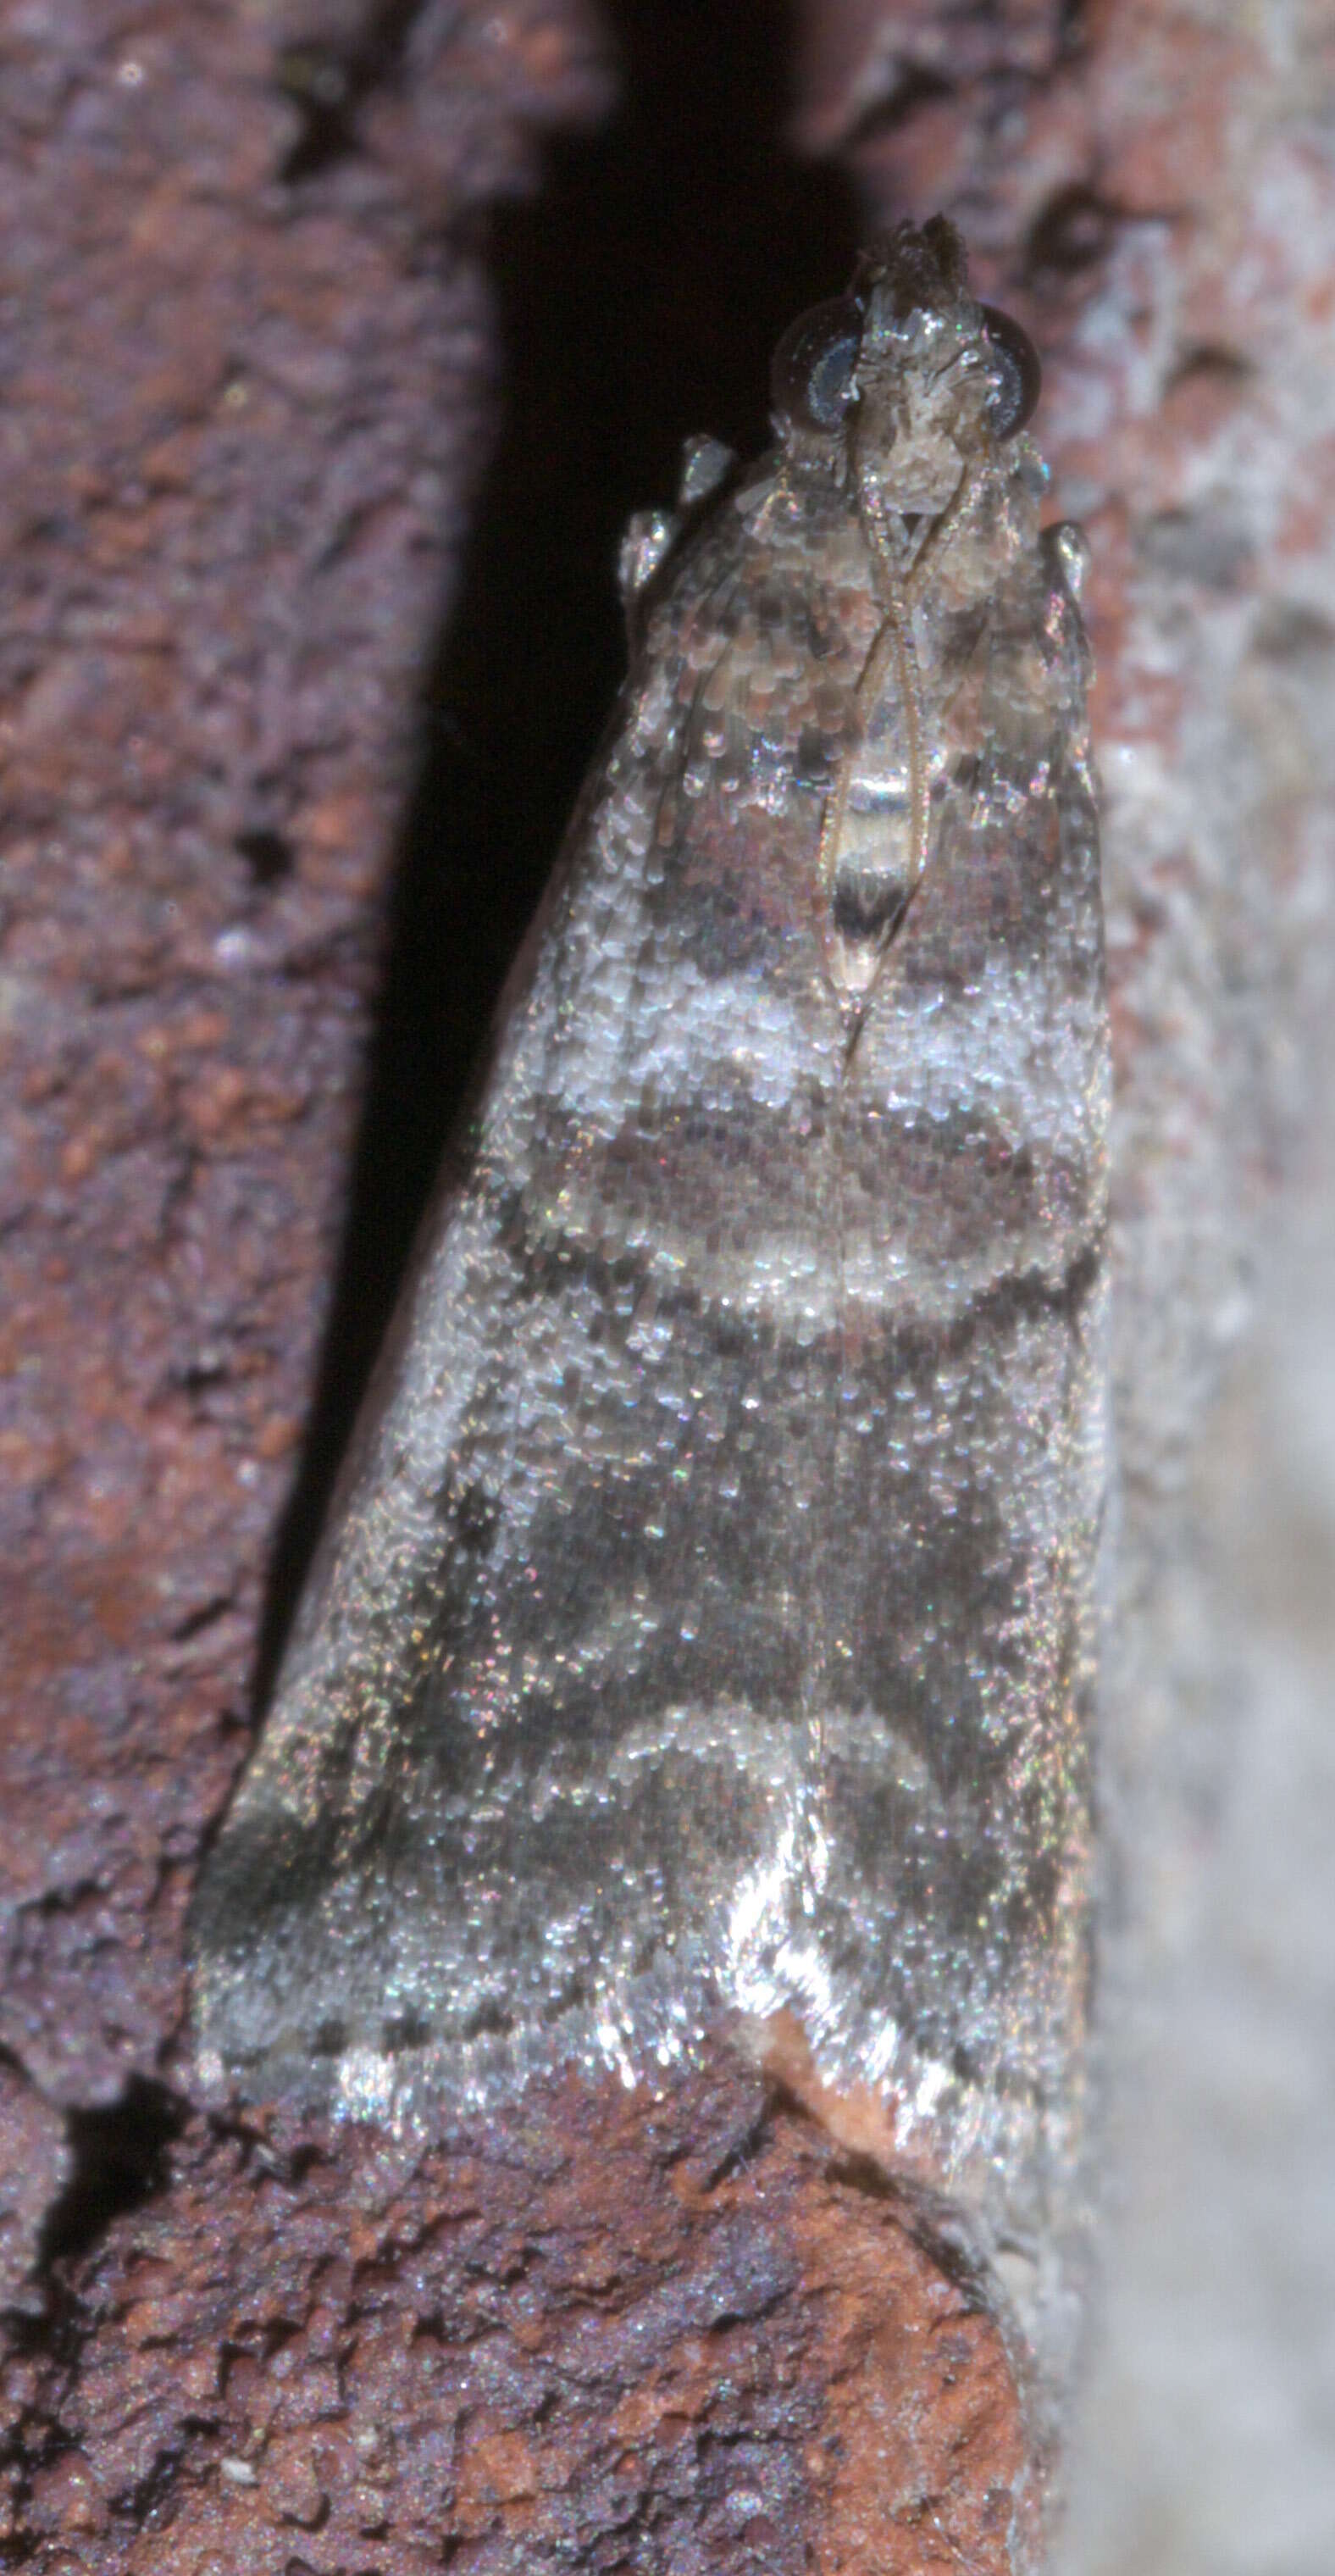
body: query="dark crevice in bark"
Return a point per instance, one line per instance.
(1072, 232)
(119, 2160)
(915, 87)
(326, 82)
(641, 295)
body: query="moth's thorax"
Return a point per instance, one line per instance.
(922, 536)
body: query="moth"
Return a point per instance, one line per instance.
(705, 1633)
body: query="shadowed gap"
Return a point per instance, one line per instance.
(640, 294)
(118, 2157)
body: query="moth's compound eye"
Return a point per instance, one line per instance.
(1016, 362)
(811, 378)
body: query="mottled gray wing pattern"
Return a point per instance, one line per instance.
(955, 1774)
(550, 1695)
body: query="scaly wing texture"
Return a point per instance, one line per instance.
(549, 1694)
(956, 1771)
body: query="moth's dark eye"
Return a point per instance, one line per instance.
(1017, 365)
(811, 378)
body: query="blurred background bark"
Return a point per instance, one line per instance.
(338, 342)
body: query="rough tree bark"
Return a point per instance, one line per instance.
(339, 340)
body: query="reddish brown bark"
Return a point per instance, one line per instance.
(613, 2326)
(284, 765)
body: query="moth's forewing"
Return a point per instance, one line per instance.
(957, 1768)
(547, 1701)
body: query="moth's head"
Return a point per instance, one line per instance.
(907, 373)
